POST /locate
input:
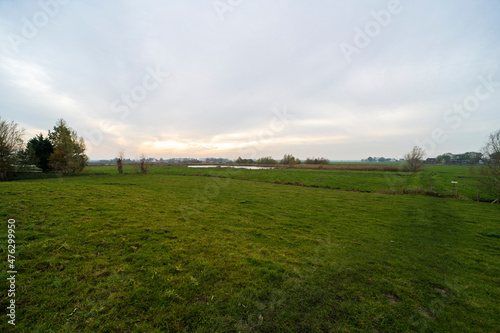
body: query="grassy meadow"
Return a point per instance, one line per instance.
(434, 179)
(242, 251)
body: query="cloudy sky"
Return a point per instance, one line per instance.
(339, 79)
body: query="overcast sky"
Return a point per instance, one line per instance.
(337, 79)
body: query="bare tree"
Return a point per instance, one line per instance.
(119, 161)
(414, 159)
(288, 159)
(144, 166)
(11, 143)
(489, 173)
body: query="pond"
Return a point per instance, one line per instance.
(230, 166)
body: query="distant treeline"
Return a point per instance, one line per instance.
(465, 158)
(287, 159)
(381, 159)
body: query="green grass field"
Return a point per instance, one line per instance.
(435, 178)
(163, 252)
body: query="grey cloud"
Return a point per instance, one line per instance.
(227, 76)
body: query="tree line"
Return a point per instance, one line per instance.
(60, 150)
(465, 158)
(288, 159)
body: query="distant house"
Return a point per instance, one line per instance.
(431, 160)
(458, 161)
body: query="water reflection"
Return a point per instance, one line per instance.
(230, 166)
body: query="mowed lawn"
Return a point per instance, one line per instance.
(159, 252)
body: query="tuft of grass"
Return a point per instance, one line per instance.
(490, 234)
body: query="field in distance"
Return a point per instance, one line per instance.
(434, 179)
(164, 252)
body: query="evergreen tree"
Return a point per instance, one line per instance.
(69, 150)
(39, 150)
